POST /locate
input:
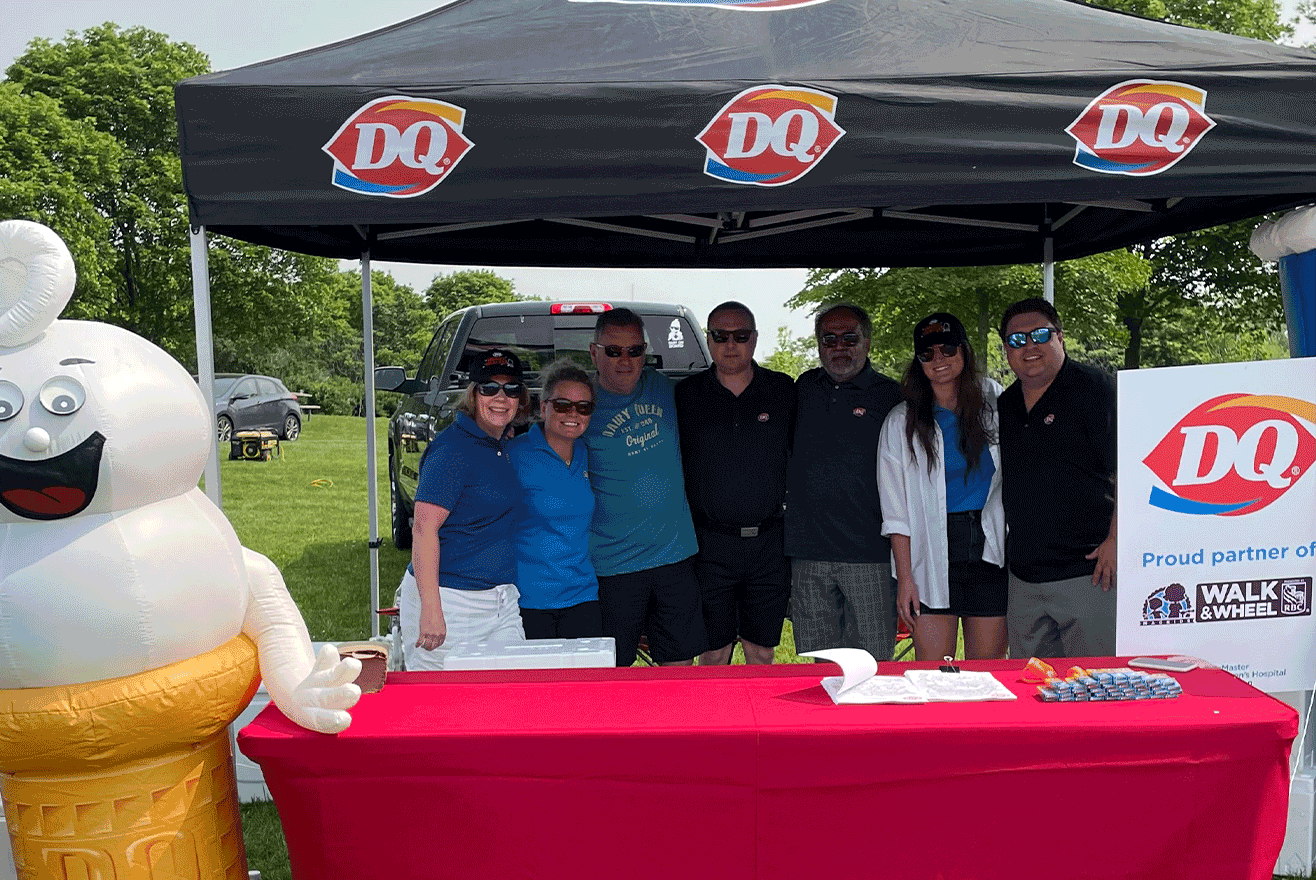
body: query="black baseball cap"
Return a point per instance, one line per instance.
(497, 362)
(939, 328)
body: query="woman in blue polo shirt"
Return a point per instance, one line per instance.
(461, 583)
(559, 591)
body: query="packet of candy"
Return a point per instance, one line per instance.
(1038, 670)
(1076, 672)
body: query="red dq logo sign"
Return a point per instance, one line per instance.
(770, 135)
(1233, 454)
(398, 147)
(1140, 127)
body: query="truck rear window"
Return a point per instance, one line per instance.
(541, 339)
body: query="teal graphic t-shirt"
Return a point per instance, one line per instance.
(641, 518)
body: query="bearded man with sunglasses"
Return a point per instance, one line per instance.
(1057, 434)
(642, 541)
(736, 419)
(841, 591)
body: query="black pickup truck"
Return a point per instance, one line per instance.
(539, 333)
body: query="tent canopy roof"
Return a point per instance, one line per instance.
(778, 133)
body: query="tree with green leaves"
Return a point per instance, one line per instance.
(469, 287)
(113, 190)
(793, 354)
(47, 162)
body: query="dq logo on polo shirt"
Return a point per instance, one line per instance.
(1234, 454)
(1140, 127)
(398, 147)
(770, 135)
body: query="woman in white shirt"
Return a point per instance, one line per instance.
(938, 475)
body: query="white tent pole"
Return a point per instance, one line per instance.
(205, 353)
(372, 472)
(1049, 269)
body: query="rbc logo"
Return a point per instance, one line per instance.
(770, 135)
(398, 147)
(1140, 127)
(1233, 455)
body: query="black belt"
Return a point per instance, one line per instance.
(969, 515)
(739, 531)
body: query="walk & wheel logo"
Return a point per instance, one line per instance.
(1140, 127)
(1234, 454)
(398, 147)
(770, 135)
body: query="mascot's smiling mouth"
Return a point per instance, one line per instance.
(52, 488)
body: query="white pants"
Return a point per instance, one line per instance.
(470, 615)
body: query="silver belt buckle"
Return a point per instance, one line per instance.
(749, 532)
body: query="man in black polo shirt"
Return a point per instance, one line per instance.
(1057, 424)
(841, 592)
(735, 422)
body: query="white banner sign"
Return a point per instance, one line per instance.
(1217, 517)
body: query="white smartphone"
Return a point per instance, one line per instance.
(1163, 663)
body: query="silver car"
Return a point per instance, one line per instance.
(245, 402)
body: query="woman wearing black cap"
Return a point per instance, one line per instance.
(940, 487)
(460, 585)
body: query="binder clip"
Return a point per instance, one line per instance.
(949, 665)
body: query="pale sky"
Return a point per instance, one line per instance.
(238, 32)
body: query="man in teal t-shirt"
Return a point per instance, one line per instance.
(642, 541)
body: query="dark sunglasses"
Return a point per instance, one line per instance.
(947, 350)
(489, 389)
(562, 405)
(721, 336)
(616, 351)
(848, 340)
(1041, 336)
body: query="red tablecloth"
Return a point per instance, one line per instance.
(752, 772)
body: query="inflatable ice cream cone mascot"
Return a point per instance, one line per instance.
(134, 627)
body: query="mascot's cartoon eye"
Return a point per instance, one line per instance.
(62, 395)
(11, 400)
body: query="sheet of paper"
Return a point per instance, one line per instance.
(958, 686)
(875, 689)
(856, 665)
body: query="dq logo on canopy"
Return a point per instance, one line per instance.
(770, 135)
(1140, 127)
(398, 147)
(1233, 454)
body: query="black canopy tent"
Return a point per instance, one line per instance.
(744, 134)
(582, 119)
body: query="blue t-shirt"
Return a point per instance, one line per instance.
(641, 518)
(962, 495)
(468, 473)
(553, 569)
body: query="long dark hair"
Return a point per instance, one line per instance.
(971, 411)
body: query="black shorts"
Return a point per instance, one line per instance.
(977, 588)
(661, 603)
(745, 584)
(583, 621)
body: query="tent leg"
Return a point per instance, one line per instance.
(205, 352)
(372, 471)
(1049, 269)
